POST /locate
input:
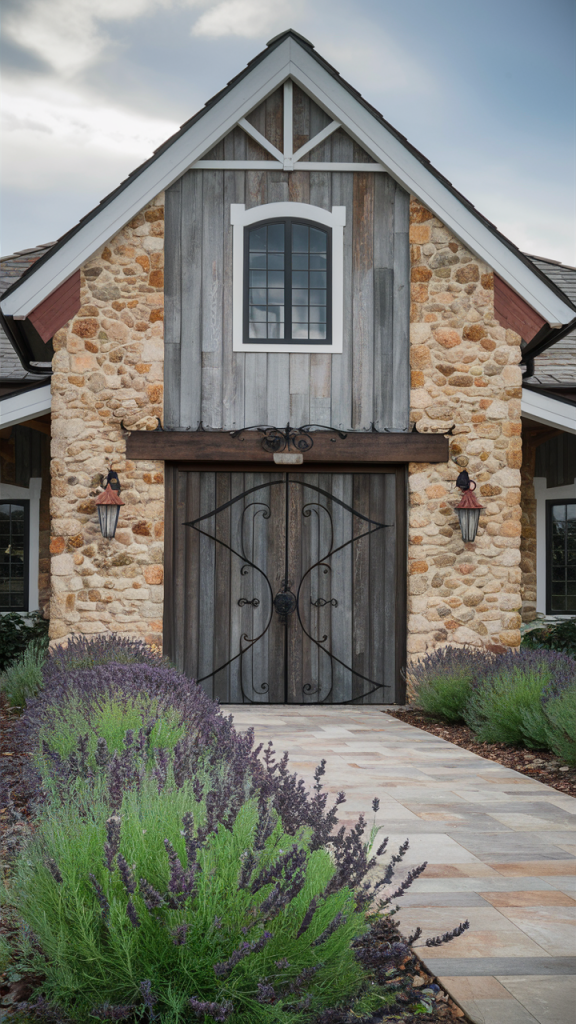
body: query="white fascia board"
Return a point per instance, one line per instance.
(547, 410)
(288, 60)
(415, 177)
(28, 406)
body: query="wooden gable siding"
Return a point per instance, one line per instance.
(308, 120)
(57, 309)
(205, 381)
(514, 313)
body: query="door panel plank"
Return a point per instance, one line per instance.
(341, 644)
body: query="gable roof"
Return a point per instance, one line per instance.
(554, 364)
(12, 268)
(289, 55)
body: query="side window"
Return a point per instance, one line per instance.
(14, 555)
(561, 558)
(287, 283)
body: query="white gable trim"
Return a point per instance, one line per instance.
(289, 59)
(548, 410)
(29, 405)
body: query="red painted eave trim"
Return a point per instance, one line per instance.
(514, 313)
(57, 309)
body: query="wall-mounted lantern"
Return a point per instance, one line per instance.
(108, 504)
(469, 508)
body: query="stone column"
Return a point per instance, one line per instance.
(465, 376)
(108, 371)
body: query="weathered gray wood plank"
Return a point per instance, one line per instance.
(401, 406)
(363, 301)
(172, 306)
(212, 298)
(191, 329)
(233, 364)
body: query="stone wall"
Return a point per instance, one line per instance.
(465, 372)
(108, 368)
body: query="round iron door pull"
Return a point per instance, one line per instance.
(285, 603)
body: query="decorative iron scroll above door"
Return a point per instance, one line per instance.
(304, 623)
(281, 439)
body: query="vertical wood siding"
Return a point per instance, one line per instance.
(205, 381)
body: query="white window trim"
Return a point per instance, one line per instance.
(335, 219)
(32, 494)
(543, 493)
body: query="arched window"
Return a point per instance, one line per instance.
(287, 278)
(288, 282)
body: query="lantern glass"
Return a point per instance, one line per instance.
(108, 516)
(468, 523)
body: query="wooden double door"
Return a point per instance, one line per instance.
(287, 587)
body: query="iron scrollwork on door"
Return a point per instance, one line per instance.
(279, 603)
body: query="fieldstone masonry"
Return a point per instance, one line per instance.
(466, 374)
(108, 369)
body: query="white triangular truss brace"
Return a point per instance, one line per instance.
(287, 160)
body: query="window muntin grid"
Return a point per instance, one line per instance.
(287, 286)
(562, 557)
(14, 556)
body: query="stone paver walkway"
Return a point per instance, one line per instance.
(501, 851)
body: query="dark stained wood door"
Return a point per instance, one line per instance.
(286, 587)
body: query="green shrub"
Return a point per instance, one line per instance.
(559, 708)
(109, 719)
(17, 632)
(443, 680)
(23, 677)
(506, 707)
(558, 636)
(153, 908)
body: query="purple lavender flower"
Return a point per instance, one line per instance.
(245, 949)
(218, 1011)
(109, 1012)
(179, 934)
(126, 874)
(149, 998)
(100, 896)
(151, 897)
(266, 993)
(132, 915)
(112, 844)
(332, 927)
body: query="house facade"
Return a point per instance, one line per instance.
(289, 258)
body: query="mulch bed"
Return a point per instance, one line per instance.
(540, 765)
(16, 825)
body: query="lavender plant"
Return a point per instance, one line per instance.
(443, 680)
(210, 905)
(506, 706)
(558, 703)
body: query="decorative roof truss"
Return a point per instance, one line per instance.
(286, 159)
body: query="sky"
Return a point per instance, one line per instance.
(487, 91)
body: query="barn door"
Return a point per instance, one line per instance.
(284, 585)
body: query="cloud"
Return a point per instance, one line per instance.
(62, 132)
(248, 18)
(67, 34)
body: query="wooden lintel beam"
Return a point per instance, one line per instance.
(216, 446)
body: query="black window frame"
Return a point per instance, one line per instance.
(550, 504)
(25, 503)
(287, 222)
